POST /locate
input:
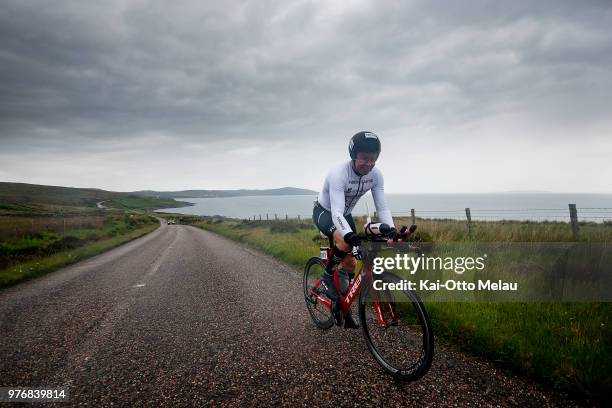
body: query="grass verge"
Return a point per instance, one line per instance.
(34, 256)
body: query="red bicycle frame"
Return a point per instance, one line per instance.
(353, 289)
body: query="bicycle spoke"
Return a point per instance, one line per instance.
(403, 344)
(320, 314)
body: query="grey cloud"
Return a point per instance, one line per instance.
(89, 72)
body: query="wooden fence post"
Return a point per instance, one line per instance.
(286, 217)
(413, 217)
(574, 220)
(275, 217)
(299, 220)
(259, 217)
(267, 217)
(468, 214)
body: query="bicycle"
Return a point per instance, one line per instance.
(395, 324)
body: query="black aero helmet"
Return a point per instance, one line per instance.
(364, 142)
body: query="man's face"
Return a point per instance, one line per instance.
(364, 163)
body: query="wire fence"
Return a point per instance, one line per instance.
(534, 214)
(571, 215)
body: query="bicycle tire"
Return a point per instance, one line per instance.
(320, 315)
(404, 350)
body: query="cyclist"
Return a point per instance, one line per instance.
(344, 186)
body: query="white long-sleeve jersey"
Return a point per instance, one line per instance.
(342, 189)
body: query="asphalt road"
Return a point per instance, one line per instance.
(185, 317)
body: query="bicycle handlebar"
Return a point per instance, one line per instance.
(380, 233)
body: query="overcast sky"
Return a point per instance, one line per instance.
(480, 96)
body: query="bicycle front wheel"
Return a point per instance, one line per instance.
(397, 329)
(313, 273)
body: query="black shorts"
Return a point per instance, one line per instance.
(323, 220)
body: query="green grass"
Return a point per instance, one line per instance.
(567, 346)
(32, 256)
(21, 198)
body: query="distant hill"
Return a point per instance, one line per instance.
(22, 197)
(17, 198)
(224, 193)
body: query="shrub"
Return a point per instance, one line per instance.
(92, 236)
(68, 242)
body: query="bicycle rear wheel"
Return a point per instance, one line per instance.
(320, 314)
(402, 343)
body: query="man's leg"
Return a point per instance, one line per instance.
(323, 221)
(347, 264)
(339, 242)
(340, 255)
(348, 261)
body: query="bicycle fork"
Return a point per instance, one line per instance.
(393, 319)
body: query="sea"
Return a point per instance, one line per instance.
(492, 206)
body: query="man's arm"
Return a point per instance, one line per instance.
(336, 198)
(378, 193)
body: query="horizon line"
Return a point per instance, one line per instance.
(303, 188)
